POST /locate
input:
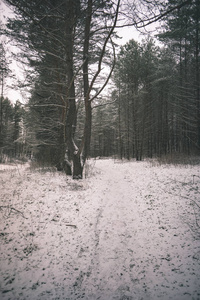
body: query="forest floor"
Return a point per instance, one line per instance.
(130, 230)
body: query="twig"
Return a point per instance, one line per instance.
(71, 225)
(12, 208)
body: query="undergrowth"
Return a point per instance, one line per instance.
(179, 159)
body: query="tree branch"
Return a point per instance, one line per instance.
(103, 50)
(109, 75)
(155, 18)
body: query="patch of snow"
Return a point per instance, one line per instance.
(128, 231)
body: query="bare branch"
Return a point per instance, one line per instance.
(145, 22)
(109, 75)
(103, 50)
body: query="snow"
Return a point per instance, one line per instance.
(129, 230)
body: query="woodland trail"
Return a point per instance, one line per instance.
(142, 246)
(122, 233)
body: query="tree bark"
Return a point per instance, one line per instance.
(197, 75)
(71, 104)
(88, 109)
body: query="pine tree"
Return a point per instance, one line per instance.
(66, 44)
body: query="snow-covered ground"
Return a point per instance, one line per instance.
(130, 230)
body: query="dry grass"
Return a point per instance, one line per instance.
(179, 159)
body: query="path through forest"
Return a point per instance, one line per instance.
(128, 231)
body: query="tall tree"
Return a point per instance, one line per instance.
(68, 29)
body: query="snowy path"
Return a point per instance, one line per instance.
(142, 250)
(130, 237)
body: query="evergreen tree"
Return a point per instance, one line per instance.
(181, 33)
(66, 44)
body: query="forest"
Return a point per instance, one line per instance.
(91, 96)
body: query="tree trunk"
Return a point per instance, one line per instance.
(1, 109)
(71, 104)
(87, 131)
(197, 71)
(77, 167)
(119, 124)
(88, 109)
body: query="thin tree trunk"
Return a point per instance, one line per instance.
(71, 112)
(119, 123)
(1, 113)
(197, 72)
(88, 109)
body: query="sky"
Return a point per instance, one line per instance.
(13, 94)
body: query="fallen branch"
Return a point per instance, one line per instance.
(12, 208)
